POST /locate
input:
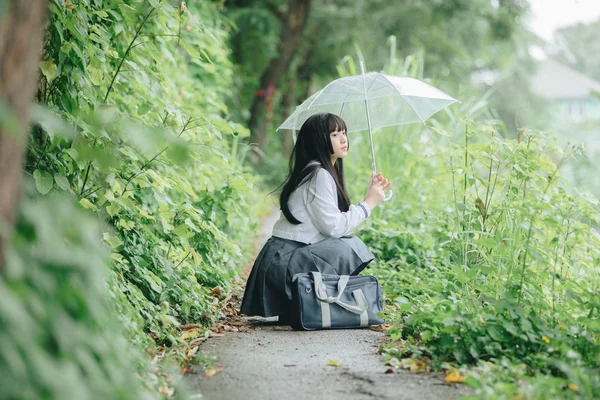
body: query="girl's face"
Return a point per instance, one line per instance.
(339, 142)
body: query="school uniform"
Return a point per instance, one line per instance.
(319, 243)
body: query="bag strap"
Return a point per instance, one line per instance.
(321, 293)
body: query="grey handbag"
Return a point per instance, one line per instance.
(332, 301)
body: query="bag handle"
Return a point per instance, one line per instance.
(321, 293)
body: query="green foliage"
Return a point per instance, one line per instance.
(60, 339)
(500, 262)
(133, 125)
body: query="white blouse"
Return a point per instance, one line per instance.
(315, 204)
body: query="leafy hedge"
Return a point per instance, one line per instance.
(133, 123)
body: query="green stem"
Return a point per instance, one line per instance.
(137, 32)
(87, 171)
(530, 231)
(147, 164)
(465, 197)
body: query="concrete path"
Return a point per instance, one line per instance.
(264, 361)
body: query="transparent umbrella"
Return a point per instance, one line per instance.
(370, 101)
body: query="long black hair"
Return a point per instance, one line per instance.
(314, 144)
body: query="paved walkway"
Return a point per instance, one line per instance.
(264, 361)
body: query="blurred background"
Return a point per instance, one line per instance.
(531, 64)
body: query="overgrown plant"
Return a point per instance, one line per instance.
(488, 256)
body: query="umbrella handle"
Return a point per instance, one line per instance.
(388, 195)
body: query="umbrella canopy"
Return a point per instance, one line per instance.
(374, 99)
(370, 101)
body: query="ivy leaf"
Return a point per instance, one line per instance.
(95, 75)
(88, 204)
(48, 69)
(43, 181)
(62, 182)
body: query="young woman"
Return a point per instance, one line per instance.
(316, 217)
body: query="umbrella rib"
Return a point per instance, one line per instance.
(320, 93)
(347, 94)
(349, 86)
(399, 94)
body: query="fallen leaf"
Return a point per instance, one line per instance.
(393, 362)
(189, 326)
(418, 366)
(190, 334)
(389, 371)
(289, 365)
(212, 372)
(413, 365)
(216, 335)
(191, 352)
(380, 328)
(216, 291)
(454, 377)
(197, 341)
(167, 391)
(334, 363)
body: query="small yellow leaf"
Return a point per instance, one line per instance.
(481, 320)
(192, 333)
(545, 339)
(334, 363)
(573, 387)
(212, 372)
(418, 366)
(454, 377)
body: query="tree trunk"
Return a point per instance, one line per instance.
(21, 31)
(294, 21)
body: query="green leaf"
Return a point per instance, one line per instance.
(48, 69)
(100, 13)
(43, 181)
(426, 335)
(112, 209)
(114, 241)
(153, 280)
(62, 182)
(88, 204)
(95, 75)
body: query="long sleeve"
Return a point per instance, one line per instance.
(321, 204)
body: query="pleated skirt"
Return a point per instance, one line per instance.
(268, 290)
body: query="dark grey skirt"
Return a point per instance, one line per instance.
(268, 290)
